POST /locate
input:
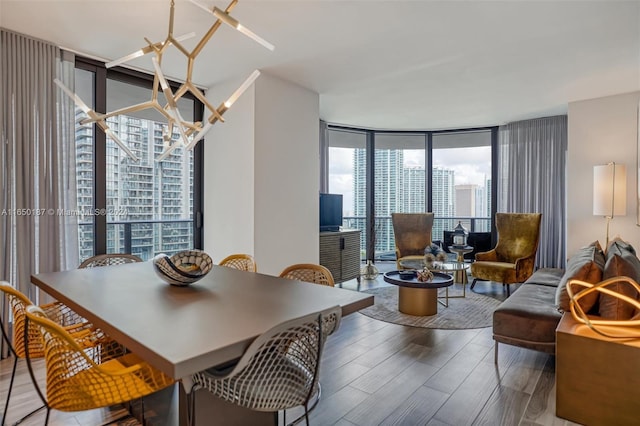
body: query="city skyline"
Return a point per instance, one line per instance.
(402, 188)
(471, 166)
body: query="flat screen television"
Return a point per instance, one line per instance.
(330, 212)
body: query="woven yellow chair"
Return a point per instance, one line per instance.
(75, 382)
(243, 262)
(109, 259)
(57, 312)
(278, 371)
(309, 272)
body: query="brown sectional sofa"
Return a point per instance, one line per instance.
(529, 317)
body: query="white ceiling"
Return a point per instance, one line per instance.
(379, 64)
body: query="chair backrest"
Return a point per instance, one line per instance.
(19, 302)
(309, 272)
(412, 232)
(280, 368)
(109, 259)
(75, 381)
(65, 359)
(56, 311)
(518, 235)
(243, 262)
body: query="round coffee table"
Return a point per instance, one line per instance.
(416, 297)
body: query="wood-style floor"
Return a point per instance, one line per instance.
(377, 373)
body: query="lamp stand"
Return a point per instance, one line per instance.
(606, 244)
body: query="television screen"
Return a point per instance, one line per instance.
(330, 212)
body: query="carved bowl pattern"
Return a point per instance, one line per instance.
(182, 268)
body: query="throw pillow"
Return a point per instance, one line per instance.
(621, 261)
(586, 265)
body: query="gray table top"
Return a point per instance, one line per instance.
(183, 330)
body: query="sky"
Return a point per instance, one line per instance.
(471, 166)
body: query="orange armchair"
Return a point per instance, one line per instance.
(512, 260)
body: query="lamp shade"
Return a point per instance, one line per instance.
(610, 190)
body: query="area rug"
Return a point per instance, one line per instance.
(473, 311)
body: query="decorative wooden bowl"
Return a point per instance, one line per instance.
(182, 268)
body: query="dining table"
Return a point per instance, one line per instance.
(182, 330)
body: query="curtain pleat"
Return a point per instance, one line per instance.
(38, 157)
(324, 156)
(532, 158)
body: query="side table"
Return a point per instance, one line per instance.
(461, 276)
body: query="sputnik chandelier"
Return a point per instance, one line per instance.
(189, 132)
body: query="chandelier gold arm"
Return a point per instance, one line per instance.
(194, 130)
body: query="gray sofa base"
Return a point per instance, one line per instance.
(529, 318)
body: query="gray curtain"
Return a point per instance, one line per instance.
(324, 156)
(37, 152)
(531, 179)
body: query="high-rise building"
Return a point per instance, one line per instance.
(400, 189)
(414, 190)
(443, 200)
(469, 200)
(149, 204)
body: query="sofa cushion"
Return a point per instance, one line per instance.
(546, 276)
(586, 265)
(621, 261)
(529, 317)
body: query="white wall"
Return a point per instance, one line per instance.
(229, 176)
(600, 131)
(286, 174)
(261, 175)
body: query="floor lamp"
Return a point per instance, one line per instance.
(609, 192)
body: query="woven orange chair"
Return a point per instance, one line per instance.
(309, 272)
(109, 259)
(58, 312)
(75, 382)
(243, 262)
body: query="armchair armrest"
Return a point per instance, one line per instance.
(488, 256)
(524, 267)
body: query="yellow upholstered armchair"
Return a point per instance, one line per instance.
(412, 232)
(512, 260)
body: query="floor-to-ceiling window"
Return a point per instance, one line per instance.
(142, 207)
(399, 183)
(446, 172)
(461, 180)
(347, 176)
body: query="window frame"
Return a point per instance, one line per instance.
(428, 134)
(138, 78)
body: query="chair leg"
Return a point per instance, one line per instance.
(473, 284)
(6, 405)
(306, 414)
(508, 289)
(13, 374)
(495, 353)
(46, 419)
(191, 407)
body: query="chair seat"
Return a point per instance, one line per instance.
(502, 272)
(103, 393)
(293, 380)
(413, 258)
